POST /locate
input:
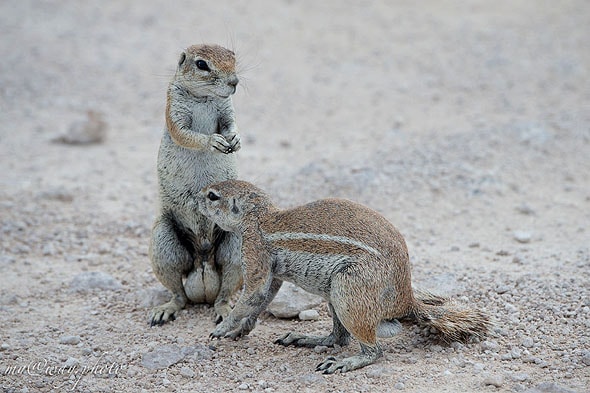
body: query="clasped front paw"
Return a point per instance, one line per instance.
(235, 142)
(219, 143)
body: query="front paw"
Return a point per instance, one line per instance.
(224, 327)
(232, 330)
(217, 142)
(222, 310)
(235, 142)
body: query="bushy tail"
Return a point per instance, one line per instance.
(454, 321)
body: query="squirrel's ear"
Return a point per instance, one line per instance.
(181, 59)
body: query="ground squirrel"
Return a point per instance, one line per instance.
(191, 256)
(340, 250)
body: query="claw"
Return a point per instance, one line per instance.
(157, 321)
(234, 335)
(219, 150)
(326, 364)
(281, 341)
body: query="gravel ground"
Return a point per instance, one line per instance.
(467, 124)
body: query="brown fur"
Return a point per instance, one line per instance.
(192, 87)
(224, 59)
(339, 249)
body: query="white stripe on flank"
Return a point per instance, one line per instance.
(320, 236)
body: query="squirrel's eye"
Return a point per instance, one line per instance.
(202, 65)
(212, 196)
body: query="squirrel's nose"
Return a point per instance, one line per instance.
(233, 81)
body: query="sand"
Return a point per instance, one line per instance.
(466, 124)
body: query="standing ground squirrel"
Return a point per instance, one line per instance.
(340, 250)
(191, 256)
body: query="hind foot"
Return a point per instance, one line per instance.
(368, 355)
(300, 340)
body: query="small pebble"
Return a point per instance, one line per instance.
(69, 340)
(519, 377)
(187, 372)
(436, 348)
(500, 289)
(399, 386)
(132, 371)
(494, 380)
(541, 363)
(71, 362)
(491, 346)
(522, 237)
(309, 315)
(456, 345)
(459, 362)
(243, 386)
(528, 342)
(510, 308)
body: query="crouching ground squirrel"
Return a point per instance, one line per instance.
(191, 256)
(340, 250)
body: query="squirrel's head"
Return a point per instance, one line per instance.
(207, 70)
(233, 204)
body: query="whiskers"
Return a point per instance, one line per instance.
(169, 74)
